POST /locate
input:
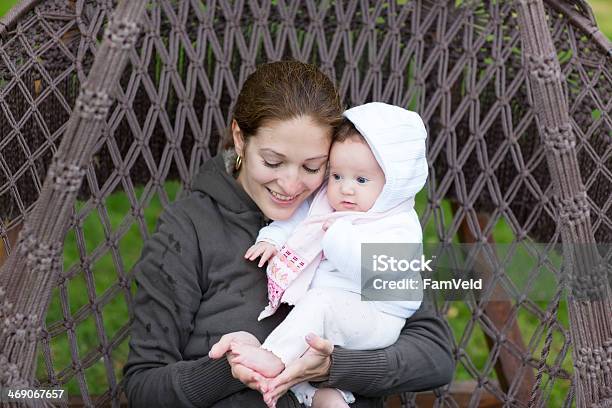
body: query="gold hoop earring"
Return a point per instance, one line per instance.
(238, 163)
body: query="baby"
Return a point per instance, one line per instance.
(377, 165)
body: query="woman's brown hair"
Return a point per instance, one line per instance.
(284, 90)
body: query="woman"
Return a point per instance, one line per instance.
(196, 290)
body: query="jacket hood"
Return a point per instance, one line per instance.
(216, 181)
(397, 138)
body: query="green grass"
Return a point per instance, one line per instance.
(603, 15)
(5, 6)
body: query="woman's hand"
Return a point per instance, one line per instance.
(312, 366)
(248, 377)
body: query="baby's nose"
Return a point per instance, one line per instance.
(347, 188)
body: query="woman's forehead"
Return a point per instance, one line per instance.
(294, 136)
(296, 123)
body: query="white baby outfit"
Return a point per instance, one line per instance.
(327, 291)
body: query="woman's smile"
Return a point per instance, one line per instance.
(282, 199)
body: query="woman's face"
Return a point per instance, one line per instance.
(283, 163)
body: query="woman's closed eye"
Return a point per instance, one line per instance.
(269, 164)
(278, 164)
(311, 171)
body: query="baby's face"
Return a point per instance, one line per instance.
(355, 178)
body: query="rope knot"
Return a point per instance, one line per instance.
(122, 34)
(575, 208)
(21, 327)
(93, 105)
(544, 68)
(9, 374)
(66, 177)
(41, 257)
(559, 138)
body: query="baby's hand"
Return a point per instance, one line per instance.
(327, 224)
(264, 249)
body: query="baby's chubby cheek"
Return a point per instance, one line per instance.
(333, 200)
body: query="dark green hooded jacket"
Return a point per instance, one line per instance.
(193, 286)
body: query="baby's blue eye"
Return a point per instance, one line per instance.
(361, 180)
(335, 176)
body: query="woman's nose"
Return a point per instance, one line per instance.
(290, 183)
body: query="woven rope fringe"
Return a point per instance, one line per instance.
(590, 325)
(32, 270)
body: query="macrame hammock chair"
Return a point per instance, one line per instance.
(99, 96)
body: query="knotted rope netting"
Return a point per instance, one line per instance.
(516, 96)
